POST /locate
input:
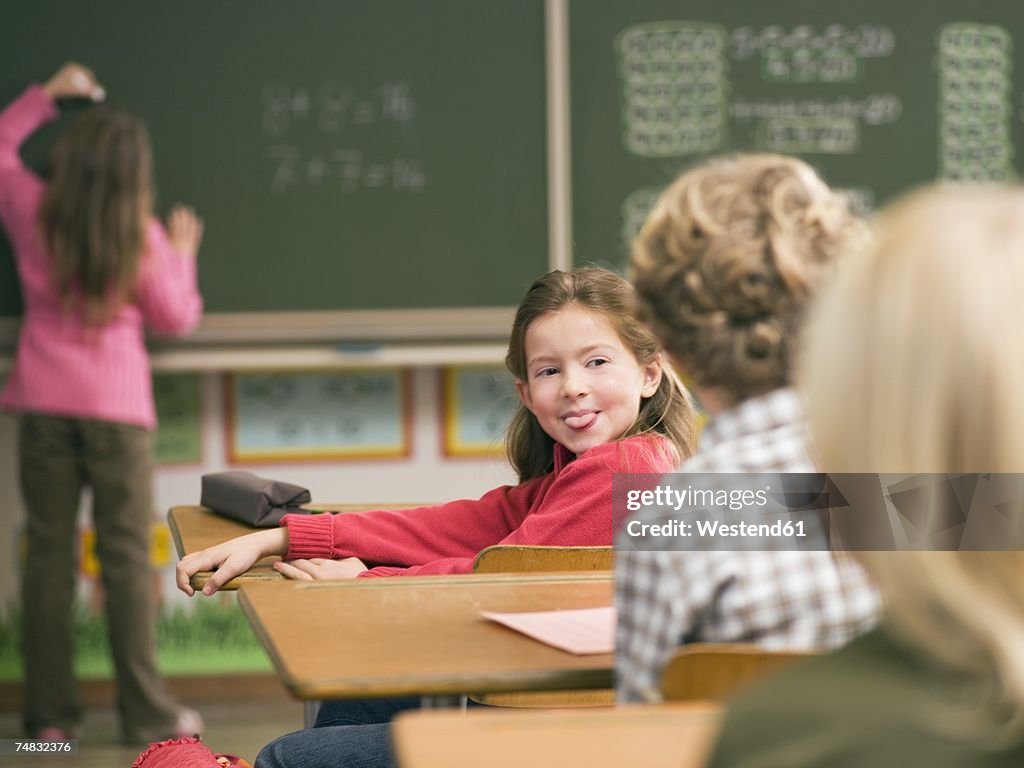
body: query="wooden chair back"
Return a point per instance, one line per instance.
(514, 558)
(712, 671)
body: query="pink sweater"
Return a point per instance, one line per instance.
(61, 367)
(570, 506)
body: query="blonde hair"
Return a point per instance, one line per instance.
(726, 261)
(910, 366)
(95, 208)
(668, 412)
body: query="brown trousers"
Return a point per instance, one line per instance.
(58, 458)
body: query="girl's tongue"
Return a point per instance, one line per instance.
(581, 421)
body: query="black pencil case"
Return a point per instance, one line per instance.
(252, 499)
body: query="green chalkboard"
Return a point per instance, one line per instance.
(345, 154)
(878, 95)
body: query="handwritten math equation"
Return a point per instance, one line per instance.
(332, 135)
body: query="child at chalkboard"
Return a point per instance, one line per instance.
(95, 269)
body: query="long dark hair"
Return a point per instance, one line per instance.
(95, 208)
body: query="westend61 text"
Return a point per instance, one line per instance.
(666, 496)
(712, 528)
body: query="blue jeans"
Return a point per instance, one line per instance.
(347, 734)
(363, 711)
(338, 746)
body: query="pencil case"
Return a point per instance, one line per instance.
(252, 499)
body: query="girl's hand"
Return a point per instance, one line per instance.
(319, 568)
(185, 230)
(73, 81)
(230, 559)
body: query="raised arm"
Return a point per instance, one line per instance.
(37, 105)
(20, 188)
(168, 292)
(74, 81)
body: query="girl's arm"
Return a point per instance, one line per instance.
(20, 188)
(20, 119)
(410, 537)
(572, 510)
(37, 105)
(575, 510)
(230, 559)
(168, 294)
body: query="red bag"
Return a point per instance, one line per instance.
(188, 752)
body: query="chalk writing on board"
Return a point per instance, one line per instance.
(675, 88)
(319, 135)
(828, 135)
(332, 106)
(312, 415)
(344, 169)
(635, 208)
(974, 70)
(874, 109)
(813, 125)
(803, 55)
(675, 79)
(863, 41)
(811, 67)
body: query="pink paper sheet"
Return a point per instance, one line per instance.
(580, 631)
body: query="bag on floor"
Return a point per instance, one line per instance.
(188, 752)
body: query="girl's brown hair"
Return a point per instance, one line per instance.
(95, 208)
(667, 412)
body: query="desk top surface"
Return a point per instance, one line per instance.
(652, 736)
(422, 636)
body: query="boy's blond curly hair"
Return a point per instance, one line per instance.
(727, 260)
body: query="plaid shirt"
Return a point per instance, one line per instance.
(777, 599)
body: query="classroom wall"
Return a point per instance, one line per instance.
(426, 475)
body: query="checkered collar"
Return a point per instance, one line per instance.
(763, 413)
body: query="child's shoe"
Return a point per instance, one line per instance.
(189, 723)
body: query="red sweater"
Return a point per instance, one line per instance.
(570, 506)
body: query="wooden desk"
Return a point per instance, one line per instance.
(195, 527)
(421, 636)
(644, 735)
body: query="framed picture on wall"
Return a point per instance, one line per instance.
(318, 415)
(477, 403)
